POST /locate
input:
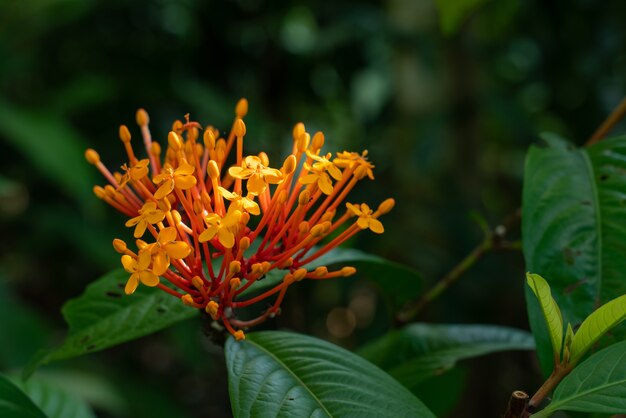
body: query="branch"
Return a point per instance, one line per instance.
(616, 115)
(492, 240)
(517, 405)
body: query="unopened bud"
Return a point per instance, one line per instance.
(318, 141)
(209, 139)
(318, 231)
(321, 271)
(241, 109)
(211, 308)
(304, 197)
(289, 166)
(303, 227)
(174, 140)
(348, 271)
(265, 160)
(299, 274)
(187, 300)
(244, 243)
(213, 169)
(197, 282)
(240, 128)
(177, 126)
(124, 133)
(142, 117)
(298, 130)
(239, 335)
(99, 192)
(155, 149)
(234, 267)
(386, 206)
(92, 156)
(119, 246)
(302, 143)
(234, 283)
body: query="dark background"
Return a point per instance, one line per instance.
(446, 107)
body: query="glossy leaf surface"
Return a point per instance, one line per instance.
(281, 374)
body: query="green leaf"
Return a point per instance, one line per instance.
(281, 374)
(420, 351)
(550, 310)
(597, 385)
(398, 282)
(572, 228)
(103, 316)
(14, 403)
(596, 325)
(54, 401)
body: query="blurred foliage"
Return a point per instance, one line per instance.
(446, 96)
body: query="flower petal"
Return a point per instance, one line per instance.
(131, 284)
(140, 229)
(160, 263)
(143, 259)
(129, 263)
(167, 234)
(256, 185)
(363, 223)
(324, 183)
(309, 178)
(207, 234)
(148, 278)
(184, 182)
(376, 226)
(226, 237)
(178, 249)
(334, 171)
(165, 189)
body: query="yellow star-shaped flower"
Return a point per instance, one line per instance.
(140, 271)
(366, 220)
(167, 248)
(181, 178)
(149, 214)
(257, 174)
(320, 170)
(224, 227)
(240, 202)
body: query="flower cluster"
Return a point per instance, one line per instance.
(214, 230)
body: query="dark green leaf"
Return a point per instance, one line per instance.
(281, 374)
(398, 283)
(104, 316)
(15, 404)
(597, 385)
(420, 351)
(572, 225)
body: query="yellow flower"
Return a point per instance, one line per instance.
(139, 170)
(319, 175)
(240, 202)
(165, 248)
(353, 160)
(224, 227)
(140, 271)
(257, 174)
(149, 214)
(366, 220)
(181, 178)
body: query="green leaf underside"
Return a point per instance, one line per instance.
(420, 351)
(550, 311)
(54, 401)
(104, 316)
(596, 325)
(14, 403)
(405, 284)
(573, 230)
(597, 385)
(281, 374)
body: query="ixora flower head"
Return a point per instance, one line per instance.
(208, 227)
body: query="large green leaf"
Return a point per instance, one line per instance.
(103, 316)
(14, 403)
(573, 231)
(398, 282)
(54, 401)
(597, 385)
(550, 310)
(281, 374)
(420, 351)
(596, 325)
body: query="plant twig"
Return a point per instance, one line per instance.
(616, 115)
(517, 405)
(492, 240)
